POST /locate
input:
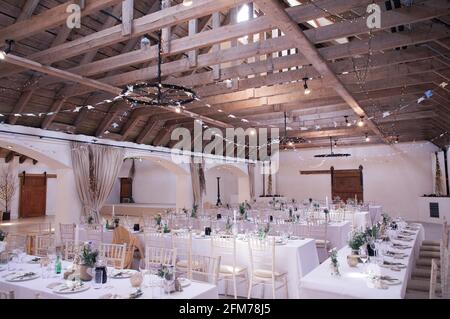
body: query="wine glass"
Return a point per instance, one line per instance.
(144, 271)
(364, 256)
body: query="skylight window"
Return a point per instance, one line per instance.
(243, 14)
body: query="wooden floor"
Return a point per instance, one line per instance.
(25, 224)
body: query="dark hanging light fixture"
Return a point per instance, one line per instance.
(332, 154)
(307, 90)
(290, 141)
(159, 94)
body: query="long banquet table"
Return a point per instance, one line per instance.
(31, 288)
(297, 258)
(353, 283)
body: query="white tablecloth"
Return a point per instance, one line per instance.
(296, 258)
(353, 283)
(29, 289)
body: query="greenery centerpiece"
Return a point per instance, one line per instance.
(334, 262)
(158, 219)
(88, 258)
(357, 240)
(166, 229)
(194, 212)
(264, 231)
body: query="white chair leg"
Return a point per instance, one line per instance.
(273, 289)
(234, 287)
(250, 286)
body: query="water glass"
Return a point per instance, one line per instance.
(98, 278)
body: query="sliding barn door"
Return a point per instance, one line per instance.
(347, 184)
(33, 196)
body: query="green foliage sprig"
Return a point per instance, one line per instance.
(88, 256)
(358, 239)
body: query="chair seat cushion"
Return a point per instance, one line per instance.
(322, 243)
(263, 273)
(228, 269)
(183, 263)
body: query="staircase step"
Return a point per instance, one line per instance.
(414, 294)
(430, 248)
(431, 243)
(424, 262)
(430, 254)
(421, 285)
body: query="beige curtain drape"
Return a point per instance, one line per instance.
(96, 168)
(251, 177)
(198, 182)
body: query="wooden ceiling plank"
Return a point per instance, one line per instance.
(50, 19)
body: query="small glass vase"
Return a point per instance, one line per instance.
(335, 270)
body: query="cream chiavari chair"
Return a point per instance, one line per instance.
(262, 266)
(7, 294)
(317, 229)
(154, 238)
(225, 248)
(16, 241)
(444, 265)
(433, 279)
(300, 230)
(66, 232)
(70, 249)
(205, 269)
(157, 256)
(113, 255)
(94, 234)
(182, 242)
(44, 244)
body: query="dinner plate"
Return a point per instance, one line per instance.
(184, 282)
(65, 288)
(123, 274)
(36, 260)
(391, 281)
(20, 276)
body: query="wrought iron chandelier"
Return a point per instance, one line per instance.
(290, 141)
(332, 154)
(159, 94)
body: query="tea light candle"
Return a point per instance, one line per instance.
(77, 234)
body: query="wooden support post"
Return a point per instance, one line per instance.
(127, 17)
(193, 29)
(216, 47)
(166, 33)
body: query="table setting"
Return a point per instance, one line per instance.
(379, 269)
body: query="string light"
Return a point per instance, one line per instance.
(367, 137)
(187, 3)
(305, 86)
(361, 121)
(347, 122)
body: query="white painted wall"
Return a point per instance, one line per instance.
(228, 186)
(152, 184)
(395, 176)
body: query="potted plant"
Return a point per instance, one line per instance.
(158, 219)
(8, 188)
(88, 258)
(356, 241)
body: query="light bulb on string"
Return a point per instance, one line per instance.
(187, 3)
(307, 90)
(347, 122)
(367, 137)
(361, 121)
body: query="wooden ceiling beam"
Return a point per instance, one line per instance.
(50, 19)
(152, 22)
(27, 10)
(189, 43)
